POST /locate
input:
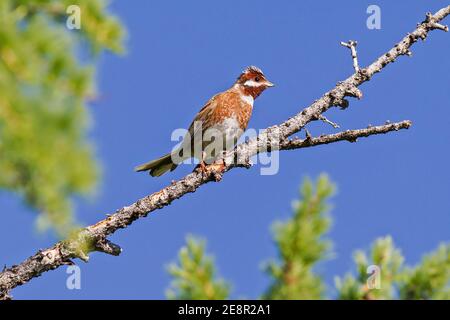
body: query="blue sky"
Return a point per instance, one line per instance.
(180, 53)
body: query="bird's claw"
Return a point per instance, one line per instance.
(202, 168)
(217, 170)
(214, 170)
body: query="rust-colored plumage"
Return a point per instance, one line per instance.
(225, 105)
(226, 114)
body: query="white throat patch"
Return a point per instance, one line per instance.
(248, 99)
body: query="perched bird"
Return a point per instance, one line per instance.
(225, 116)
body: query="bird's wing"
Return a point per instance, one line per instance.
(218, 107)
(198, 126)
(204, 116)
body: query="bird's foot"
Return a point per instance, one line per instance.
(214, 170)
(202, 168)
(217, 170)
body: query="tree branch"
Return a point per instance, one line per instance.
(93, 238)
(351, 44)
(348, 135)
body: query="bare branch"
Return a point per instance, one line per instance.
(433, 22)
(331, 123)
(348, 135)
(93, 238)
(352, 46)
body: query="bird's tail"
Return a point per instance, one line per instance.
(159, 166)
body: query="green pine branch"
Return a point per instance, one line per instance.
(46, 157)
(380, 273)
(301, 246)
(194, 277)
(430, 279)
(383, 255)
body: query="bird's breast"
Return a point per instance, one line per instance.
(230, 128)
(248, 99)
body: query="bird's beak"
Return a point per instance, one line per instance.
(269, 84)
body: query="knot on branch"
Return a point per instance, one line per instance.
(362, 75)
(308, 137)
(84, 242)
(413, 37)
(342, 90)
(337, 97)
(431, 23)
(106, 246)
(353, 91)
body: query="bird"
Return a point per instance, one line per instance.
(224, 116)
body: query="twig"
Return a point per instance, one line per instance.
(349, 135)
(89, 238)
(430, 19)
(331, 123)
(352, 46)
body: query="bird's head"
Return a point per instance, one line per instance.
(252, 81)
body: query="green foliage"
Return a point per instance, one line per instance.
(300, 245)
(430, 279)
(387, 258)
(45, 155)
(195, 276)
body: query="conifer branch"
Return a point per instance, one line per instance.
(195, 275)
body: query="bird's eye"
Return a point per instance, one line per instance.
(257, 79)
